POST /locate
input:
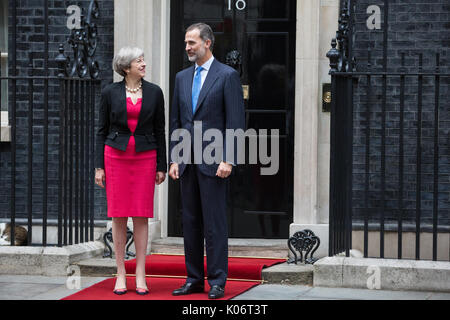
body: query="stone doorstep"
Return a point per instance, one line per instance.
(236, 247)
(383, 274)
(279, 274)
(97, 267)
(46, 261)
(284, 273)
(289, 274)
(174, 245)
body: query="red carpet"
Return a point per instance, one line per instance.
(240, 271)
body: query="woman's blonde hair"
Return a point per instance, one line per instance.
(122, 60)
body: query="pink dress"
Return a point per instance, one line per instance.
(130, 175)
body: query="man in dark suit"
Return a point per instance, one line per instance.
(207, 96)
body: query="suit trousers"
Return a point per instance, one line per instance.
(204, 217)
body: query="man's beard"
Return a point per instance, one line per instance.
(200, 54)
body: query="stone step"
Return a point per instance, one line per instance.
(290, 274)
(340, 272)
(382, 274)
(97, 267)
(46, 261)
(265, 248)
(284, 273)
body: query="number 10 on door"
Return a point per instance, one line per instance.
(240, 5)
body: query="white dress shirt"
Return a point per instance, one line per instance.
(206, 66)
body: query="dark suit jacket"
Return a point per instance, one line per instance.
(220, 106)
(113, 122)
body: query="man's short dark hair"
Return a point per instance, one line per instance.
(206, 32)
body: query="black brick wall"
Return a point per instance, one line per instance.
(30, 38)
(415, 26)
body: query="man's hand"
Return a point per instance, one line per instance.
(224, 170)
(100, 177)
(173, 172)
(160, 177)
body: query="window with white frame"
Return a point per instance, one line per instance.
(4, 54)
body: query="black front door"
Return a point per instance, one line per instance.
(263, 32)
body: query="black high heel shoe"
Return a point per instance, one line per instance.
(120, 291)
(141, 291)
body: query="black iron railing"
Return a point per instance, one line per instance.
(397, 140)
(72, 150)
(55, 174)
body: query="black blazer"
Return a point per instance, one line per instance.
(113, 122)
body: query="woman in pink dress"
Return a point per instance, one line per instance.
(131, 157)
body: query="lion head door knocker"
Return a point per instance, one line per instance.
(234, 60)
(304, 241)
(108, 239)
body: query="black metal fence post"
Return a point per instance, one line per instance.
(91, 167)
(419, 156)
(46, 129)
(333, 55)
(436, 156)
(13, 122)
(61, 60)
(401, 159)
(341, 61)
(30, 150)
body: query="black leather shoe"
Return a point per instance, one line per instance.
(188, 288)
(216, 292)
